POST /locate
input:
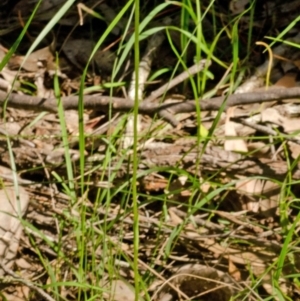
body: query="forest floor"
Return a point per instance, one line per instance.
(164, 169)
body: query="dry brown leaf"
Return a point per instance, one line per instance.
(41, 89)
(8, 77)
(119, 290)
(233, 271)
(152, 183)
(205, 187)
(196, 281)
(287, 81)
(231, 143)
(31, 64)
(23, 264)
(261, 149)
(14, 204)
(15, 296)
(174, 218)
(273, 116)
(253, 83)
(259, 195)
(294, 148)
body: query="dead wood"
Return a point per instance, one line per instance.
(191, 158)
(118, 104)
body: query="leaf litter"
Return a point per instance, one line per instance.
(221, 223)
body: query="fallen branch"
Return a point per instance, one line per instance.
(182, 156)
(104, 103)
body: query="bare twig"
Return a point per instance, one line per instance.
(118, 104)
(265, 129)
(198, 67)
